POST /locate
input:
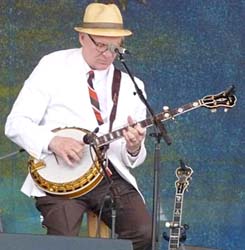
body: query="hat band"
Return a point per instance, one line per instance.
(103, 25)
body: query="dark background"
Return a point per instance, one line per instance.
(182, 50)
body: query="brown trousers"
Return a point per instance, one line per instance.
(63, 216)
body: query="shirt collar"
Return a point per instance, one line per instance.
(98, 74)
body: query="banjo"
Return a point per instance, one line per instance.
(54, 176)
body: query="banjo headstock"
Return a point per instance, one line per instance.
(225, 99)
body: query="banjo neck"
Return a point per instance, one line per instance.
(163, 116)
(225, 99)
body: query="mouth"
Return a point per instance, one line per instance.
(104, 62)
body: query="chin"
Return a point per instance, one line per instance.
(102, 66)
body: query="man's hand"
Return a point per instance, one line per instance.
(69, 149)
(134, 135)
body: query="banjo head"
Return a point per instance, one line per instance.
(54, 176)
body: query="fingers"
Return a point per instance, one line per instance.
(134, 135)
(69, 149)
(135, 131)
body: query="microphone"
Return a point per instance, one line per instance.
(89, 137)
(117, 49)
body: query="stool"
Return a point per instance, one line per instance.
(92, 221)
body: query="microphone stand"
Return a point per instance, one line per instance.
(90, 139)
(160, 132)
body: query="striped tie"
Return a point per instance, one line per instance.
(94, 98)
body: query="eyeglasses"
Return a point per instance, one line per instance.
(101, 47)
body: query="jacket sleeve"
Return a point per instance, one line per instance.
(24, 123)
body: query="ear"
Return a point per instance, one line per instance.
(81, 38)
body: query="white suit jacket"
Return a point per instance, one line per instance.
(56, 95)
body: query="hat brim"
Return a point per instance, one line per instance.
(104, 32)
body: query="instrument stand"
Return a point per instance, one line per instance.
(160, 132)
(183, 235)
(113, 194)
(12, 154)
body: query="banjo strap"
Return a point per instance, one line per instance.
(114, 94)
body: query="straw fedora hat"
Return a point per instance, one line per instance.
(103, 20)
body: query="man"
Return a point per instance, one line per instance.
(57, 95)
